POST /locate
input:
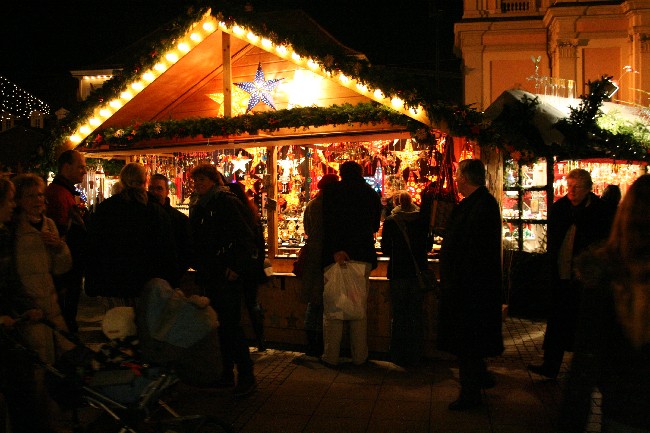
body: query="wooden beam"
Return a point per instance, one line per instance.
(227, 74)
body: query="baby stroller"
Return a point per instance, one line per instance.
(129, 392)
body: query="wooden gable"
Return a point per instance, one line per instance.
(190, 88)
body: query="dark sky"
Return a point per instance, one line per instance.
(42, 41)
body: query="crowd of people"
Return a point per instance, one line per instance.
(51, 249)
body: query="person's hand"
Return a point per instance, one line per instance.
(7, 321)
(341, 257)
(51, 240)
(34, 315)
(231, 275)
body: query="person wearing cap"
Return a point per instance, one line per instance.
(312, 275)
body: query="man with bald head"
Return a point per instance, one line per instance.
(65, 207)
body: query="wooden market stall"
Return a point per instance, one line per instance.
(272, 114)
(553, 136)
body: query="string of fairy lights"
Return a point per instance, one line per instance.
(17, 102)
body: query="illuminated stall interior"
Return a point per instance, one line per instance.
(280, 191)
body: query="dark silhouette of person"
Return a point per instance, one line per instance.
(252, 280)
(404, 240)
(130, 241)
(312, 274)
(159, 191)
(225, 251)
(351, 217)
(612, 196)
(470, 318)
(612, 347)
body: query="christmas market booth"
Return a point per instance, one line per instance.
(543, 137)
(275, 103)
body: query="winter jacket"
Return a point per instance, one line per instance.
(65, 207)
(351, 217)
(312, 274)
(36, 264)
(469, 319)
(13, 299)
(222, 237)
(129, 243)
(604, 358)
(394, 245)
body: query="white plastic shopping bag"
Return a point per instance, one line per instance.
(346, 293)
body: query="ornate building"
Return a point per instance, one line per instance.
(507, 44)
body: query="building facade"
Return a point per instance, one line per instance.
(553, 47)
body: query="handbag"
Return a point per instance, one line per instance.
(444, 192)
(299, 263)
(427, 280)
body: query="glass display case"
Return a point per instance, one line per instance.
(525, 202)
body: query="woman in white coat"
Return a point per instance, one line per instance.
(40, 253)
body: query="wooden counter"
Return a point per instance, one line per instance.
(284, 310)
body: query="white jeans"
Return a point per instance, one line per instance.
(333, 334)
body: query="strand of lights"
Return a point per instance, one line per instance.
(286, 52)
(18, 102)
(196, 33)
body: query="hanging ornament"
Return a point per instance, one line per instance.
(239, 163)
(408, 156)
(259, 89)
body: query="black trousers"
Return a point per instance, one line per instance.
(226, 299)
(562, 322)
(472, 370)
(68, 288)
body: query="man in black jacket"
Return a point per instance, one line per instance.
(576, 221)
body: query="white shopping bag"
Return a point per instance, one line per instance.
(346, 292)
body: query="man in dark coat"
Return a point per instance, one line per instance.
(65, 207)
(351, 217)
(576, 221)
(469, 321)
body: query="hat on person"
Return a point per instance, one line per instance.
(119, 322)
(327, 179)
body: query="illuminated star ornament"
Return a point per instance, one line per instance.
(259, 89)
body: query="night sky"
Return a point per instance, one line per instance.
(43, 41)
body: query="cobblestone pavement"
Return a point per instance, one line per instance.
(296, 395)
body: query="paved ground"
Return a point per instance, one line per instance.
(301, 396)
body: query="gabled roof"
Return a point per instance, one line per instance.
(160, 101)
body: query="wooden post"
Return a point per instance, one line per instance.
(227, 74)
(272, 193)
